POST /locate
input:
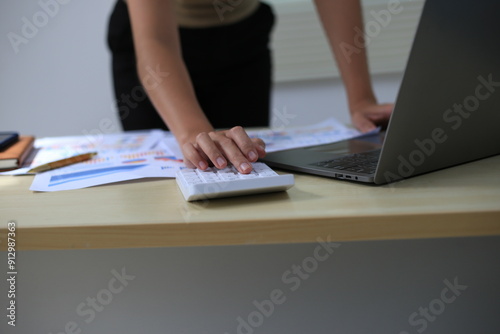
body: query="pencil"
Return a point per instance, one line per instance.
(62, 163)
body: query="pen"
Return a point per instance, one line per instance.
(62, 162)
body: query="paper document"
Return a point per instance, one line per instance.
(328, 131)
(121, 157)
(109, 169)
(144, 154)
(56, 148)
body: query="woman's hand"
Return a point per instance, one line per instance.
(366, 116)
(222, 147)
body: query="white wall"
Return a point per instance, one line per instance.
(308, 102)
(59, 81)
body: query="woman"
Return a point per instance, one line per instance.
(205, 64)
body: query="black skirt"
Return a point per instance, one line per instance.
(230, 67)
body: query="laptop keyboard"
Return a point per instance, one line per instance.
(365, 162)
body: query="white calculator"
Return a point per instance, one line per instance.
(197, 184)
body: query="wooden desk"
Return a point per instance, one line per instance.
(459, 201)
(211, 289)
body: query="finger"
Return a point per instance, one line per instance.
(193, 158)
(260, 146)
(384, 108)
(244, 143)
(233, 153)
(208, 146)
(382, 111)
(363, 124)
(202, 154)
(379, 115)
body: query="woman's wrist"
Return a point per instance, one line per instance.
(359, 103)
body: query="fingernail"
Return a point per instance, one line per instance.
(252, 155)
(202, 164)
(220, 161)
(245, 166)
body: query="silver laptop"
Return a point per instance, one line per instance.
(447, 111)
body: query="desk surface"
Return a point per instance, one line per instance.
(458, 201)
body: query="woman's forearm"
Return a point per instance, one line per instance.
(339, 19)
(166, 80)
(161, 69)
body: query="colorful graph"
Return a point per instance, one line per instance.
(134, 161)
(88, 174)
(168, 158)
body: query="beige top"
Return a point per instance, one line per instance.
(210, 13)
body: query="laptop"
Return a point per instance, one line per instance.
(447, 111)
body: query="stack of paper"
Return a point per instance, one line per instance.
(328, 131)
(135, 155)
